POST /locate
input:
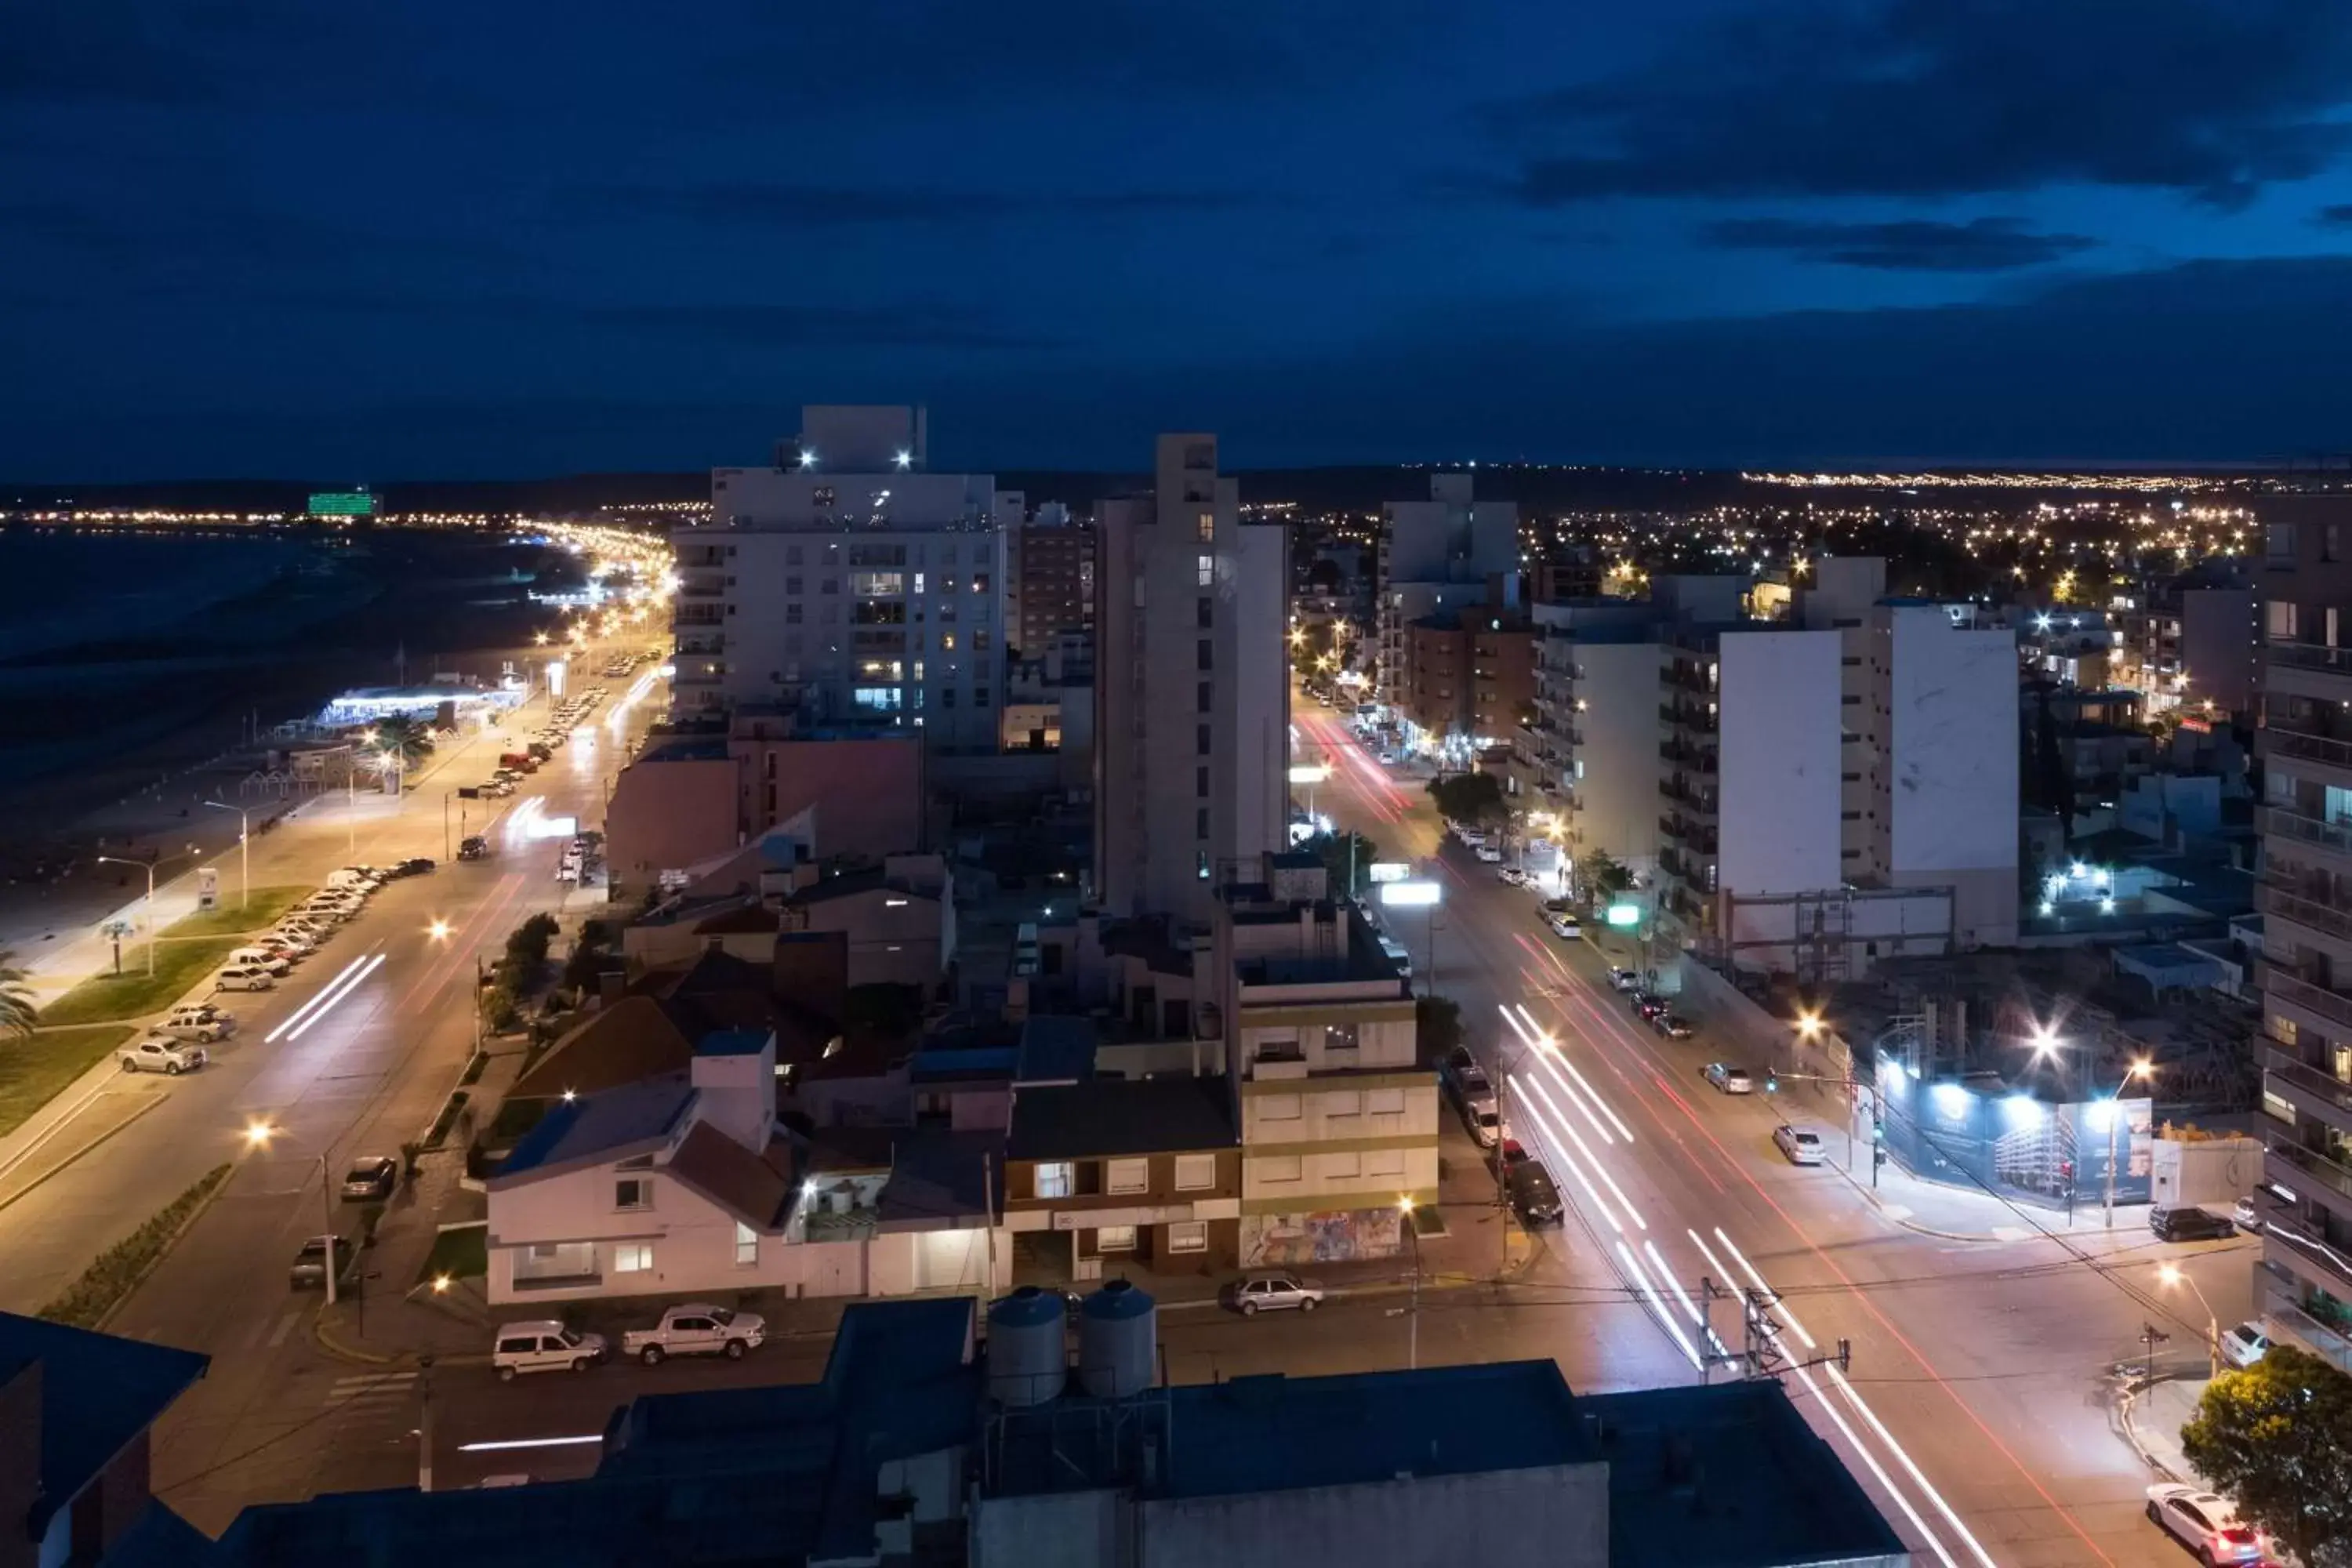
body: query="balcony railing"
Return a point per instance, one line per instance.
(2311, 656)
(2288, 904)
(2309, 1165)
(2311, 1242)
(2312, 998)
(2279, 741)
(701, 591)
(2288, 1068)
(2279, 823)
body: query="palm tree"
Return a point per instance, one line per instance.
(17, 1009)
(404, 737)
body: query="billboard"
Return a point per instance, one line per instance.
(2014, 1146)
(342, 504)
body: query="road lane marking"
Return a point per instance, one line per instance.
(285, 1327)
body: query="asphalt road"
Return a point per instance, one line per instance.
(370, 1032)
(1976, 1407)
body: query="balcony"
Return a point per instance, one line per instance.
(2308, 669)
(2335, 1010)
(2306, 1087)
(1699, 804)
(2328, 838)
(2289, 903)
(2322, 758)
(2307, 1171)
(2306, 1249)
(2289, 1301)
(701, 591)
(688, 675)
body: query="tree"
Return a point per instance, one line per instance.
(114, 932)
(2278, 1438)
(1335, 849)
(16, 1009)
(1476, 798)
(1601, 877)
(1437, 1026)
(405, 738)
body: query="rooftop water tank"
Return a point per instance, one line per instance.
(1118, 1334)
(1026, 1360)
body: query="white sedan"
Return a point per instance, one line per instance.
(1801, 1144)
(1488, 853)
(2205, 1523)
(2245, 1344)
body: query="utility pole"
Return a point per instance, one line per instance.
(424, 1425)
(327, 1222)
(244, 849)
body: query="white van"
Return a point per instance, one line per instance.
(243, 977)
(351, 879)
(545, 1345)
(264, 958)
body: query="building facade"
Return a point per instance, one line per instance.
(1191, 698)
(1124, 1177)
(848, 584)
(1432, 556)
(1469, 673)
(1053, 580)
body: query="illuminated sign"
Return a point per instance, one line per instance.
(342, 504)
(1623, 915)
(1389, 871)
(1410, 895)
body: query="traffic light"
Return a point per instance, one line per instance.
(1771, 1083)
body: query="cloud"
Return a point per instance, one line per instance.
(2214, 99)
(821, 326)
(757, 202)
(1979, 245)
(2338, 217)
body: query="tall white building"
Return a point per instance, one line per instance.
(1192, 706)
(849, 584)
(1435, 554)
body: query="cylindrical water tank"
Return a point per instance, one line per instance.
(1026, 1361)
(1118, 1336)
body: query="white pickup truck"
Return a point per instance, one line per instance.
(697, 1329)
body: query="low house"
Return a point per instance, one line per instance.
(1135, 1174)
(898, 917)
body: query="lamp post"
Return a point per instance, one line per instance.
(148, 866)
(258, 1135)
(244, 849)
(2171, 1274)
(1412, 1313)
(2138, 1069)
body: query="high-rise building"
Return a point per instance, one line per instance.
(848, 584)
(1053, 580)
(1469, 673)
(2304, 1280)
(1436, 554)
(1192, 703)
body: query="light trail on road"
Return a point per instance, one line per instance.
(332, 999)
(304, 1011)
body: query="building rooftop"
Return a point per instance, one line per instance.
(1056, 1049)
(98, 1394)
(756, 1188)
(732, 1043)
(623, 1042)
(1728, 1477)
(1107, 1117)
(598, 1124)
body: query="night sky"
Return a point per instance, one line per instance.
(423, 238)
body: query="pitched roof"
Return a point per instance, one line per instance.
(634, 1039)
(1110, 1116)
(757, 1189)
(601, 1125)
(98, 1394)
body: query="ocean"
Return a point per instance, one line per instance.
(67, 587)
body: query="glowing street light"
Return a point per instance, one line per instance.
(257, 1134)
(438, 931)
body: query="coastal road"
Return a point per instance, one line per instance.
(1976, 1408)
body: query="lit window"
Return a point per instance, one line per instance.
(1195, 1172)
(746, 1246)
(1188, 1235)
(1127, 1175)
(633, 1258)
(1115, 1239)
(947, 642)
(1208, 570)
(1054, 1180)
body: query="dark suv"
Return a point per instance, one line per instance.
(1532, 1193)
(2188, 1225)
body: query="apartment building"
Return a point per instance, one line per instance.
(1052, 580)
(1434, 555)
(2304, 1279)
(1469, 673)
(1588, 753)
(1338, 1117)
(848, 584)
(1129, 1176)
(1192, 697)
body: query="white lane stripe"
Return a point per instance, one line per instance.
(1665, 1319)
(285, 1327)
(1785, 1310)
(1854, 1440)
(305, 1009)
(1559, 1151)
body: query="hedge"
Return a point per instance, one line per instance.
(119, 1269)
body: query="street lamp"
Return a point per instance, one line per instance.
(2138, 1069)
(1413, 1239)
(244, 848)
(2171, 1274)
(257, 1134)
(148, 866)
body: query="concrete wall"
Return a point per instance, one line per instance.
(1616, 768)
(1781, 745)
(867, 796)
(1948, 807)
(666, 815)
(2210, 1171)
(2220, 647)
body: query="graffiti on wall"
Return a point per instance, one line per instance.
(1332, 1236)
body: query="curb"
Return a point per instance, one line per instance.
(2034, 1232)
(170, 1244)
(334, 1347)
(35, 1185)
(2126, 1403)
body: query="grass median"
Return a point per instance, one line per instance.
(134, 993)
(89, 1299)
(34, 1070)
(260, 911)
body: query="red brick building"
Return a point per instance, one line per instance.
(1470, 672)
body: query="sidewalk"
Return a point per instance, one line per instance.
(1957, 1214)
(2153, 1416)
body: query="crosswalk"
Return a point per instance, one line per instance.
(366, 1401)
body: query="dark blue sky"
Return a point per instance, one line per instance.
(276, 238)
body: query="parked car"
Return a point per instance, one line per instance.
(243, 977)
(1565, 927)
(1506, 1156)
(2189, 1222)
(1483, 1118)
(1488, 854)
(201, 1022)
(416, 866)
(2245, 1344)
(1533, 1197)
(2205, 1523)
(283, 944)
(1802, 1145)
(1510, 876)
(1625, 980)
(1458, 1061)
(1274, 1292)
(357, 879)
(474, 847)
(255, 957)
(545, 1345)
(2244, 1215)
(1467, 1081)
(310, 1270)
(159, 1053)
(1672, 1024)
(370, 1176)
(697, 1329)
(1729, 1078)
(1649, 1005)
